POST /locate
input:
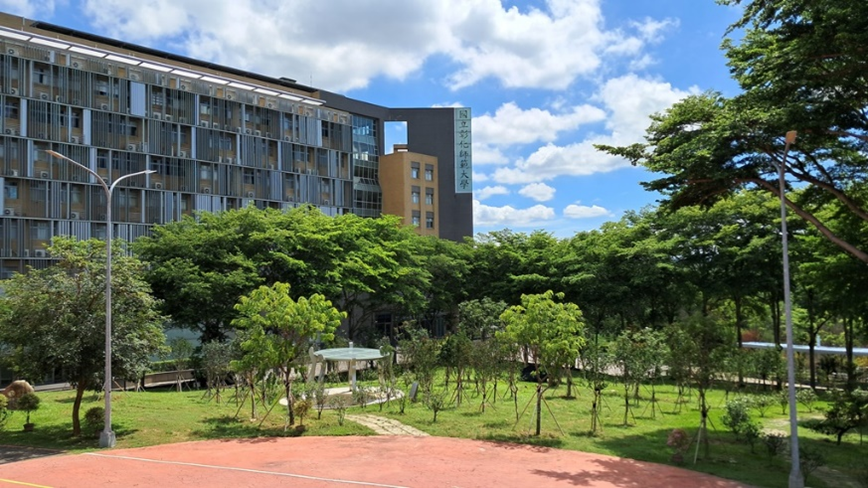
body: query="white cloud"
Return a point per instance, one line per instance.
(480, 177)
(485, 154)
(507, 216)
(651, 30)
(547, 47)
(538, 191)
(512, 125)
(28, 8)
(585, 212)
(628, 100)
(490, 191)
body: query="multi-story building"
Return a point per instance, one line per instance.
(218, 138)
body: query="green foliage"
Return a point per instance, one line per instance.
(421, 355)
(737, 416)
(807, 397)
(54, 318)
(809, 461)
(94, 421)
(301, 409)
(4, 411)
(28, 402)
(762, 403)
(480, 319)
(848, 411)
(339, 403)
(774, 443)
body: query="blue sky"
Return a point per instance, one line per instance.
(546, 79)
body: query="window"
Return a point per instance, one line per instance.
(10, 190)
(248, 176)
(10, 111)
(40, 231)
(205, 172)
(414, 194)
(414, 170)
(429, 172)
(429, 220)
(429, 196)
(416, 218)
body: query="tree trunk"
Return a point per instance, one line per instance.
(81, 386)
(848, 343)
(538, 405)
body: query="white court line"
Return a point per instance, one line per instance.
(246, 470)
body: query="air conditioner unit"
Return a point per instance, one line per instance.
(43, 96)
(44, 174)
(326, 202)
(40, 253)
(76, 65)
(131, 147)
(251, 194)
(268, 135)
(8, 211)
(206, 190)
(25, 253)
(74, 215)
(204, 123)
(168, 118)
(11, 132)
(102, 216)
(257, 133)
(248, 131)
(75, 139)
(215, 125)
(157, 185)
(269, 105)
(58, 99)
(158, 116)
(12, 51)
(287, 138)
(183, 87)
(135, 77)
(182, 120)
(239, 130)
(182, 154)
(229, 96)
(13, 91)
(12, 172)
(103, 106)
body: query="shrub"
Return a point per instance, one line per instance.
(807, 397)
(774, 442)
(94, 420)
(301, 408)
(28, 402)
(339, 404)
(762, 403)
(737, 418)
(4, 411)
(809, 461)
(679, 441)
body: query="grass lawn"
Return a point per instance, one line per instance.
(157, 417)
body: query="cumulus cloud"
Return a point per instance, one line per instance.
(28, 8)
(490, 191)
(628, 100)
(538, 191)
(480, 177)
(547, 47)
(512, 125)
(507, 216)
(584, 212)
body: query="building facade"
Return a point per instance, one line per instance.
(217, 138)
(410, 189)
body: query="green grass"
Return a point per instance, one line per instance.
(158, 417)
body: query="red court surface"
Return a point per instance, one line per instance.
(380, 461)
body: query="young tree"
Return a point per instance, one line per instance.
(54, 318)
(550, 331)
(283, 328)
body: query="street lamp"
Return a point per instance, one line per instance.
(796, 480)
(107, 436)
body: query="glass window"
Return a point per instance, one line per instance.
(414, 173)
(205, 172)
(10, 190)
(40, 231)
(414, 194)
(416, 218)
(10, 111)
(429, 174)
(429, 220)
(429, 196)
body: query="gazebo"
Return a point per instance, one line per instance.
(349, 354)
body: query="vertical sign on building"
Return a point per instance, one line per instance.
(463, 152)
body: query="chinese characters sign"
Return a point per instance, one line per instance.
(463, 152)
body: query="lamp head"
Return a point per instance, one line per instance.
(791, 136)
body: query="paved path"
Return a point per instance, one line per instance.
(396, 461)
(384, 426)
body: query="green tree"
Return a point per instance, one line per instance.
(480, 318)
(550, 331)
(54, 318)
(283, 329)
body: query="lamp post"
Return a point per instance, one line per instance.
(107, 436)
(795, 480)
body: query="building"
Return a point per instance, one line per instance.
(218, 138)
(410, 189)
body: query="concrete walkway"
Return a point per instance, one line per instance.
(384, 426)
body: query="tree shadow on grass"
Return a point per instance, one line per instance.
(517, 441)
(228, 428)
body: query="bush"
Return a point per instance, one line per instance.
(807, 397)
(301, 408)
(762, 403)
(94, 421)
(809, 461)
(737, 418)
(28, 402)
(774, 442)
(679, 441)
(339, 403)
(4, 411)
